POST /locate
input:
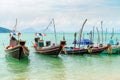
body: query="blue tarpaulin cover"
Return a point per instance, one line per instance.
(83, 41)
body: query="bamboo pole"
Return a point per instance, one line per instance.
(93, 34)
(112, 33)
(64, 36)
(15, 26)
(102, 31)
(54, 31)
(81, 30)
(75, 34)
(91, 37)
(105, 36)
(98, 36)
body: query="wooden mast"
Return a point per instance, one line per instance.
(102, 31)
(106, 36)
(98, 36)
(112, 33)
(82, 30)
(54, 31)
(93, 34)
(91, 37)
(15, 26)
(75, 34)
(64, 36)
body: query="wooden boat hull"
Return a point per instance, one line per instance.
(97, 50)
(53, 51)
(75, 51)
(114, 50)
(17, 52)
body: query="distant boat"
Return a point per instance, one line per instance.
(16, 48)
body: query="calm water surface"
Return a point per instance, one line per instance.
(64, 67)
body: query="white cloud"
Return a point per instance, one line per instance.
(68, 14)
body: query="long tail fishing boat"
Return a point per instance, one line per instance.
(100, 48)
(49, 49)
(74, 50)
(18, 51)
(53, 50)
(114, 48)
(16, 48)
(111, 51)
(78, 51)
(97, 50)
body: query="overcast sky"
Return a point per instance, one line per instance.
(68, 14)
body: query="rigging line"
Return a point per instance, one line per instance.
(47, 26)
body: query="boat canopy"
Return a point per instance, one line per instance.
(83, 42)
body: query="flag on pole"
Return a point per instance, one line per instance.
(15, 33)
(40, 34)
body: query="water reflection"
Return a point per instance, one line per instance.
(18, 68)
(54, 68)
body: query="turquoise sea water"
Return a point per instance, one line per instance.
(64, 67)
